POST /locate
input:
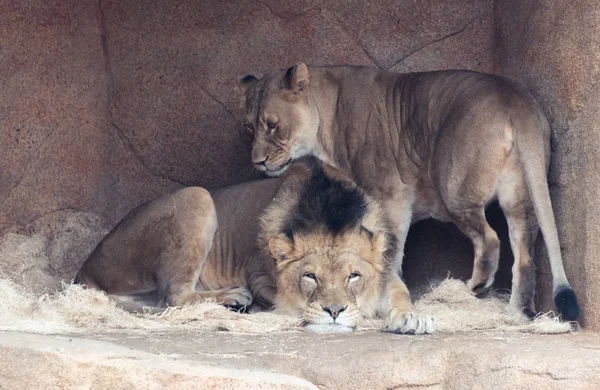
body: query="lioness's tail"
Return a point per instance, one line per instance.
(532, 151)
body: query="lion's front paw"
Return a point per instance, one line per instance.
(411, 323)
(236, 296)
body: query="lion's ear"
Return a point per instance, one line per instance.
(246, 81)
(373, 253)
(378, 243)
(281, 247)
(297, 77)
(377, 240)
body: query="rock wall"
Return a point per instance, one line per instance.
(553, 48)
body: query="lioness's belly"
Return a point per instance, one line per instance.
(234, 246)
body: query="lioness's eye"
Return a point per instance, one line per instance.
(353, 276)
(310, 275)
(270, 127)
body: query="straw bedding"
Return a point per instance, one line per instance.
(33, 299)
(77, 310)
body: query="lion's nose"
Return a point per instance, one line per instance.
(263, 162)
(334, 310)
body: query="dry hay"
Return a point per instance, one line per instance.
(42, 254)
(456, 310)
(78, 310)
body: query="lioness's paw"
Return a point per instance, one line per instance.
(235, 296)
(523, 314)
(479, 289)
(411, 323)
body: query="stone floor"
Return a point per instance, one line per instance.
(223, 360)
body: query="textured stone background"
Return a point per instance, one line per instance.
(107, 104)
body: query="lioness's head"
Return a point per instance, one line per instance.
(279, 117)
(331, 246)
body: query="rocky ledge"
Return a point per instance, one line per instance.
(300, 360)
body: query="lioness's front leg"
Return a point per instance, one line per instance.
(399, 210)
(398, 310)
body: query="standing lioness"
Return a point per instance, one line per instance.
(311, 243)
(435, 144)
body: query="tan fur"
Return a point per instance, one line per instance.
(134, 262)
(170, 252)
(436, 144)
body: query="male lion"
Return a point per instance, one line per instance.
(435, 144)
(312, 243)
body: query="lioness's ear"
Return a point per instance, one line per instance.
(281, 247)
(246, 81)
(297, 77)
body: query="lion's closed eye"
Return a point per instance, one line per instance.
(353, 277)
(309, 276)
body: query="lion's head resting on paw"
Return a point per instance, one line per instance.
(332, 247)
(328, 280)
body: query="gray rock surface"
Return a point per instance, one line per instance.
(301, 360)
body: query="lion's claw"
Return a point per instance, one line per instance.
(411, 323)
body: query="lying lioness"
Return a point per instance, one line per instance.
(312, 243)
(435, 144)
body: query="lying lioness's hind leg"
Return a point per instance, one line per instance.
(486, 247)
(135, 304)
(398, 310)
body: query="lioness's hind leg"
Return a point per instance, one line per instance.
(185, 250)
(486, 247)
(523, 228)
(465, 171)
(136, 303)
